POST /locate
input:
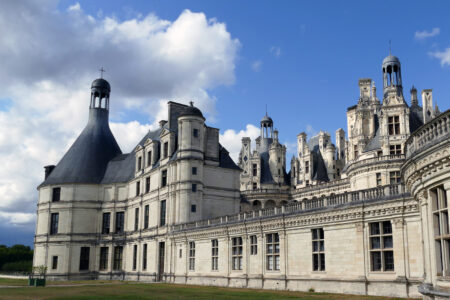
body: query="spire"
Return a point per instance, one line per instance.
(101, 72)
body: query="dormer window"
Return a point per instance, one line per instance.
(139, 163)
(149, 158)
(163, 178)
(195, 132)
(166, 149)
(394, 125)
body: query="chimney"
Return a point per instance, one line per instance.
(48, 170)
(414, 100)
(162, 123)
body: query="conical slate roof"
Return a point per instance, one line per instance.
(88, 157)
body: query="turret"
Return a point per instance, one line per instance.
(340, 143)
(427, 105)
(191, 132)
(392, 76)
(301, 143)
(266, 133)
(414, 100)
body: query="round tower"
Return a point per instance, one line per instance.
(266, 133)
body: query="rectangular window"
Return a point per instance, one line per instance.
(181, 253)
(138, 188)
(56, 194)
(194, 187)
(394, 177)
(194, 170)
(381, 246)
(193, 208)
(307, 167)
(136, 218)
(236, 253)
(394, 125)
(439, 206)
(134, 257)
(144, 257)
(146, 216)
(84, 258)
(253, 245)
(104, 258)
(54, 262)
(118, 256)
(163, 178)
(395, 149)
(355, 151)
(255, 185)
(54, 223)
(166, 149)
(378, 179)
(139, 163)
(106, 221)
(192, 256)
(120, 216)
(195, 132)
(147, 184)
(162, 213)
(318, 250)
(255, 170)
(273, 251)
(214, 255)
(149, 158)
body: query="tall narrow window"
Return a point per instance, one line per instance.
(84, 258)
(236, 253)
(193, 208)
(395, 149)
(136, 218)
(355, 151)
(166, 149)
(318, 243)
(144, 257)
(381, 246)
(147, 184)
(120, 216)
(255, 185)
(138, 188)
(192, 256)
(195, 132)
(255, 169)
(194, 170)
(134, 257)
(106, 221)
(54, 262)
(439, 206)
(149, 158)
(194, 187)
(146, 216)
(54, 220)
(253, 245)
(394, 177)
(307, 167)
(104, 258)
(163, 178)
(118, 256)
(273, 251)
(394, 125)
(139, 163)
(56, 194)
(378, 175)
(214, 255)
(162, 213)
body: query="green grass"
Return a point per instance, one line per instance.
(131, 290)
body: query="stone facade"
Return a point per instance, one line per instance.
(367, 215)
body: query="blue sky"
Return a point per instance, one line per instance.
(301, 59)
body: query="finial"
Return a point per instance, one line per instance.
(266, 109)
(101, 72)
(191, 103)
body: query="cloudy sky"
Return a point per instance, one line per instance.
(232, 58)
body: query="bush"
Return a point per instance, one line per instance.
(311, 290)
(17, 258)
(18, 266)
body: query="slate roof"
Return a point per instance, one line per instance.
(318, 165)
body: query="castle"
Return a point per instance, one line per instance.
(365, 215)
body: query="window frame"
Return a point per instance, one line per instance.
(441, 230)
(118, 258)
(144, 257)
(146, 215)
(85, 253)
(136, 218)
(191, 256)
(273, 251)
(54, 223)
(380, 248)
(214, 254)
(135, 257)
(318, 252)
(54, 262)
(104, 252)
(395, 177)
(162, 213)
(253, 244)
(147, 184)
(119, 222)
(236, 253)
(106, 223)
(56, 194)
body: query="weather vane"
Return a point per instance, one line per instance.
(101, 72)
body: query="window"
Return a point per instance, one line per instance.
(139, 163)
(439, 207)
(56, 194)
(255, 185)
(163, 178)
(147, 184)
(394, 177)
(194, 187)
(381, 246)
(181, 253)
(138, 188)
(194, 170)
(192, 256)
(195, 132)
(162, 213)
(355, 151)
(144, 257)
(273, 251)
(166, 149)
(214, 255)
(136, 218)
(318, 243)
(54, 262)
(395, 149)
(104, 258)
(307, 167)
(279, 172)
(84, 258)
(134, 257)
(149, 158)
(119, 221)
(54, 223)
(255, 170)
(253, 245)
(118, 255)
(106, 221)
(236, 253)
(146, 216)
(279, 159)
(338, 172)
(193, 208)
(378, 179)
(394, 125)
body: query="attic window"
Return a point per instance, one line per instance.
(149, 158)
(166, 149)
(195, 132)
(139, 163)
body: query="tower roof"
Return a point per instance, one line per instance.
(391, 59)
(101, 83)
(192, 111)
(266, 119)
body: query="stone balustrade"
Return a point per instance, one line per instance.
(264, 191)
(365, 162)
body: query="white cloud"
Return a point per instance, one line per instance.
(276, 51)
(49, 59)
(421, 35)
(232, 140)
(256, 65)
(443, 56)
(310, 131)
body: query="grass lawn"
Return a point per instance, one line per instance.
(131, 290)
